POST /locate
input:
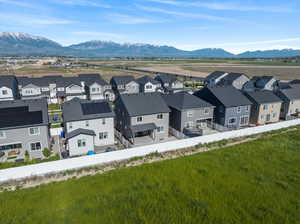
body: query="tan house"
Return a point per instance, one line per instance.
(291, 102)
(266, 107)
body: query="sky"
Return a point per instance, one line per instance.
(235, 25)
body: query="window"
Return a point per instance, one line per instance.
(148, 86)
(103, 121)
(103, 135)
(244, 120)
(190, 114)
(238, 109)
(93, 89)
(87, 123)
(265, 107)
(232, 120)
(189, 124)
(206, 111)
(160, 129)
(11, 147)
(28, 91)
(35, 146)
(4, 92)
(160, 116)
(70, 125)
(139, 119)
(81, 143)
(2, 134)
(274, 115)
(262, 117)
(247, 108)
(34, 131)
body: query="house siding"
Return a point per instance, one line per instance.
(232, 112)
(259, 115)
(73, 148)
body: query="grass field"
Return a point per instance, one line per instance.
(255, 182)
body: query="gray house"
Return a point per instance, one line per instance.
(142, 117)
(170, 83)
(149, 85)
(266, 107)
(8, 88)
(291, 102)
(24, 127)
(124, 84)
(96, 87)
(69, 88)
(189, 114)
(87, 124)
(232, 107)
(220, 78)
(261, 83)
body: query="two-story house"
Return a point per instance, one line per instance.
(266, 107)
(24, 126)
(219, 78)
(170, 83)
(142, 117)
(87, 124)
(33, 88)
(96, 87)
(8, 88)
(261, 83)
(124, 84)
(233, 108)
(149, 85)
(189, 114)
(69, 88)
(291, 102)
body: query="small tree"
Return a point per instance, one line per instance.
(46, 152)
(26, 155)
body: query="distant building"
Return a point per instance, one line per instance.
(220, 78)
(291, 102)
(149, 85)
(8, 88)
(124, 85)
(87, 124)
(261, 83)
(171, 84)
(24, 126)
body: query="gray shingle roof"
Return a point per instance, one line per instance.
(183, 100)
(90, 79)
(143, 127)
(261, 97)
(144, 104)
(166, 78)
(226, 95)
(122, 80)
(7, 81)
(231, 77)
(23, 113)
(73, 110)
(291, 93)
(145, 79)
(215, 75)
(80, 131)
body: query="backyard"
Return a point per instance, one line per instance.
(254, 182)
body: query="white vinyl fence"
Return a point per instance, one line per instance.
(88, 161)
(55, 131)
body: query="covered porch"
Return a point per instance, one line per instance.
(143, 134)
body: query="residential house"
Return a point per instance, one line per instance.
(96, 87)
(69, 88)
(291, 102)
(170, 83)
(124, 84)
(219, 78)
(8, 88)
(261, 83)
(189, 114)
(232, 106)
(142, 117)
(149, 85)
(24, 126)
(87, 124)
(266, 107)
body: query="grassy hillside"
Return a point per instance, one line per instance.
(255, 182)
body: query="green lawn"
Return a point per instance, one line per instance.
(255, 182)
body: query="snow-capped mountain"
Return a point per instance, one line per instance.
(22, 44)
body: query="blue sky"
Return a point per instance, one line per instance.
(234, 25)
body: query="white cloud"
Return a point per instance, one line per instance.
(183, 14)
(17, 3)
(127, 19)
(84, 3)
(99, 34)
(32, 20)
(224, 6)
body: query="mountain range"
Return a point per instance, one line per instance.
(22, 44)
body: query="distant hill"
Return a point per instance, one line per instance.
(22, 44)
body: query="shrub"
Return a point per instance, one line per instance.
(46, 152)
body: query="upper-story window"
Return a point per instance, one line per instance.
(160, 116)
(190, 114)
(139, 119)
(247, 108)
(2, 134)
(4, 92)
(238, 109)
(28, 91)
(265, 107)
(70, 125)
(95, 90)
(206, 111)
(87, 123)
(81, 143)
(34, 131)
(148, 86)
(103, 121)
